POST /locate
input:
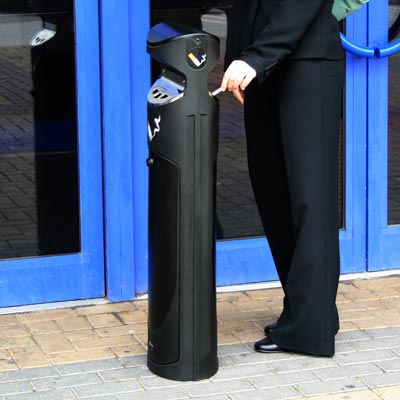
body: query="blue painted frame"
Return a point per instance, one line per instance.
(125, 80)
(118, 149)
(353, 243)
(383, 239)
(140, 76)
(75, 276)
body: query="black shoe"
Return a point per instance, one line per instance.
(270, 327)
(267, 346)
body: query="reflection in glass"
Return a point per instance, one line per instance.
(39, 199)
(394, 119)
(236, 209)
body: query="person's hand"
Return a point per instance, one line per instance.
(237, 77)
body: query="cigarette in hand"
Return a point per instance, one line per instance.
(216, 91)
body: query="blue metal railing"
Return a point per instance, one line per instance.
(356, 49)
(370, 51)
(389, 49)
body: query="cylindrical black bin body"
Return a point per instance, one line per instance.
(183, 127)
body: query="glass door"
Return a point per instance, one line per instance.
(384, 136)
(51, 224)
(244, 259)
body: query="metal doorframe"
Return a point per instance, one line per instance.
(383, 239)
(73, 276)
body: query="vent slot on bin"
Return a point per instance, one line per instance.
(167, 89)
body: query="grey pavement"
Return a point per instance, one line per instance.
(364, 360)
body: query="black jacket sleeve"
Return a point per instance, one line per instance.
(288, 23)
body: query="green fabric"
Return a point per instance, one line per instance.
(342, 8)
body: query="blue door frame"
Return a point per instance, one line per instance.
(383, 239)
(118, 144)
(125, 81)
(80, 275)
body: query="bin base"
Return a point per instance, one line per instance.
(180, 372)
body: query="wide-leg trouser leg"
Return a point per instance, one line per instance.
(294, 172)
(268, 173)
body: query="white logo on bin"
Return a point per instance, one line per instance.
(157, 128)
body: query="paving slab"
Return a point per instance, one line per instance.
(366, 365)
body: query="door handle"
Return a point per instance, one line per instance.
(357, 49)
(370, 51)
(389, 49)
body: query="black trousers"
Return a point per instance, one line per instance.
(292, 125)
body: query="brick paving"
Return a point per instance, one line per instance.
(98, 351)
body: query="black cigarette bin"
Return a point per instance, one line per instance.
(182, 129)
